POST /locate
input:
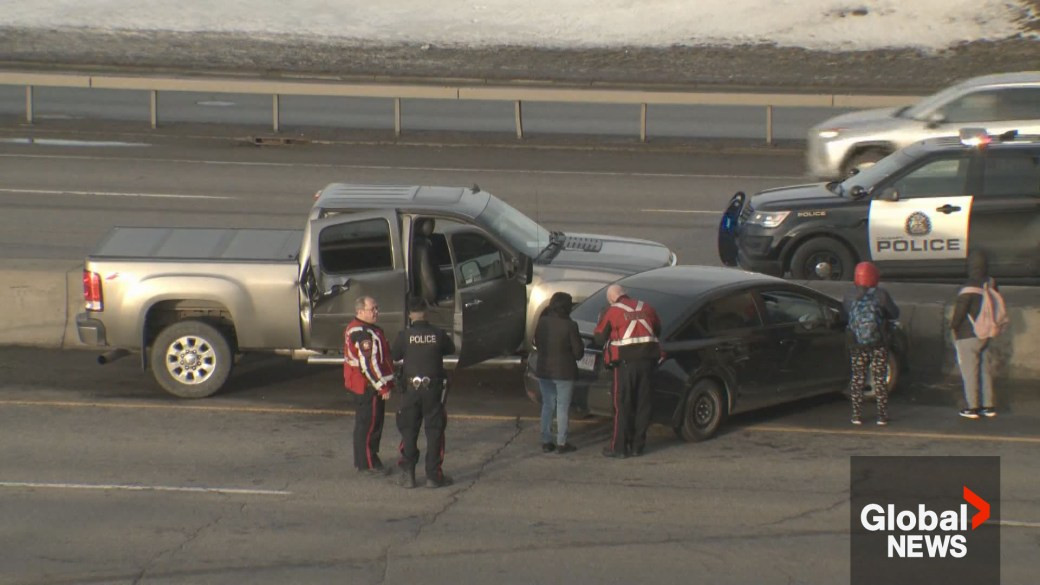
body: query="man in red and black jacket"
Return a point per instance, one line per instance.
(628, 332)
(367, 372)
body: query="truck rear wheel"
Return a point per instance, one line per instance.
(191, 359)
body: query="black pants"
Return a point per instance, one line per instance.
(632, 406)
(368, 429)
(419, 407)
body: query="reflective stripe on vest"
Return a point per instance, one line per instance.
(626, 337)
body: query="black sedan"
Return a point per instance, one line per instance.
(734, 341)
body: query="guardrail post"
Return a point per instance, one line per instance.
(519, 122)
(153, 107)
(274, 113)
(396, 118)
(769, 125)
(29, 104)
(642, 124)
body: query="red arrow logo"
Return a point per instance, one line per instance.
(981, 505)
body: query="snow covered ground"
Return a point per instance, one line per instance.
(827, 25)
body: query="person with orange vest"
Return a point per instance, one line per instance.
(368, 372)
(628, 331)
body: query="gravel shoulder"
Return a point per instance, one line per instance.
(749, 67)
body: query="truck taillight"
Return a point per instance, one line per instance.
(92, 291)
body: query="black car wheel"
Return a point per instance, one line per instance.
(703, 412)
(863, 160)
(818, 251)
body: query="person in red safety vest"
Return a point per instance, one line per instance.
(368, 372)
(628, 332)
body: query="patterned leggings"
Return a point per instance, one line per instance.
(876, 358)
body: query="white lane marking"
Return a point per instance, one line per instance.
(1017, 524)
(403, 168)
(112, 194)
(715, 212)
(55, 142)
(143, 488)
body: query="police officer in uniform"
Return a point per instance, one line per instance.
(629, 331)
(422, 347)
(367, 372)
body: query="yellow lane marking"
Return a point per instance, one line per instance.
(250, 409)
(887, 433)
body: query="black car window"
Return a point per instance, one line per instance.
(479, 260)
(1011, 173)
(359, 246)
(730, 313)
(670, 308)
(783, 306)
(940, 176)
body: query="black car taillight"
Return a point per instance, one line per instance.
(92, 291)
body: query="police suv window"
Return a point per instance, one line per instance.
(943, 176)
(478, 259)
(1011, 173)
(360, 246)
(789, 307)
(737, 311)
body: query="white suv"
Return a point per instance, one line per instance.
(998, 103)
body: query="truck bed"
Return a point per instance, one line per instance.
(200, 244)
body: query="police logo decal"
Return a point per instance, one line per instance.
(918, 224)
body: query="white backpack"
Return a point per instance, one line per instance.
(992, 319)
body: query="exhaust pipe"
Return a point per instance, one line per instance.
(111, 356)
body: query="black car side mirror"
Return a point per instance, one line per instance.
(857, 192)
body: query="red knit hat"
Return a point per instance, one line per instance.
(867, 275)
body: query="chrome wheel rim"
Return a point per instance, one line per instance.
(191, 360)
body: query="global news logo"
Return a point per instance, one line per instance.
(923, 532)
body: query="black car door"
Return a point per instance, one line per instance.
(1005, 214)
(725, 337)
(808, 341)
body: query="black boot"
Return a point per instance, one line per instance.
(406, 479)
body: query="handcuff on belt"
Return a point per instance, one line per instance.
(420, 382)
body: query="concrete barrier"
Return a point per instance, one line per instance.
(41, 299)
(926, 313)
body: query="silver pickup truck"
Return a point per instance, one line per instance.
(190, 299)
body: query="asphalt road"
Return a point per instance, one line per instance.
(106, 479)
(61, 193)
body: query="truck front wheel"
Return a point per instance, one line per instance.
(191, 359)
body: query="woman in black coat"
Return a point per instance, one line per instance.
(559, 349)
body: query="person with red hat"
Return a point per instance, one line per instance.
(868, 308)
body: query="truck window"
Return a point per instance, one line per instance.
(479, 260)
(360, 246)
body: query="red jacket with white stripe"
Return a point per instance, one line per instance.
(629, 330)
(367, 360)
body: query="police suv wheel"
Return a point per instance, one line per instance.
(812, 253)
(703, 412)
(191, 359)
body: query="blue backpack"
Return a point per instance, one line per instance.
(865, 319)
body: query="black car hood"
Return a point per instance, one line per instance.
(611, 253)
(783, 198)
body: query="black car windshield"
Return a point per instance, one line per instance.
(520, 231)
(876, 173)
(669, 307)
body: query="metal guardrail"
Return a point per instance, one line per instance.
(517, 94)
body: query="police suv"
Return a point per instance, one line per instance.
(916, 213)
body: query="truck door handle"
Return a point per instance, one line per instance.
(947, 209)
(473, 303)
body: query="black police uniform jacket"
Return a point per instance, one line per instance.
(422, 347)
